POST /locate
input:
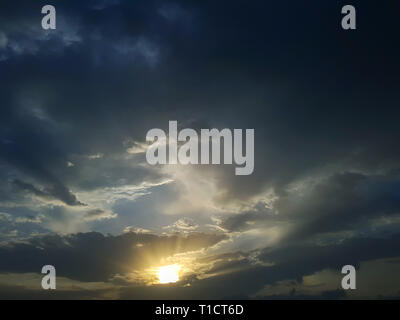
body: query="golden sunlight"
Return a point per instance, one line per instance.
(168, 274)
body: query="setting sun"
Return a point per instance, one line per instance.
(168, 274)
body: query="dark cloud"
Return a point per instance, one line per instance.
(57, 191)
(20, 292)
(95, 257)
(323, 103)
(325, 295)
(232, 275)
(284, 84)
(99, 214)
(341, 202)
(237, 275)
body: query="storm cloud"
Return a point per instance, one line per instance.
(76, 190)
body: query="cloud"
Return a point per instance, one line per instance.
(21, 36)
(28, 286)
(325, 190)
(140, 48)
(223, 276)
(93, 256)
(95, 156)
(3, 40)
(29, 219)
(5, 216)
(98, 214)
(324, 206)
(174, 13)
(57, 191)
(136, 147)
(183, 225)
(136, 230)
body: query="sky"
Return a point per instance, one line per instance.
(76, 191)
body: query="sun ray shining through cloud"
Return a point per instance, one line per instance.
(77, 190)
(168, 274)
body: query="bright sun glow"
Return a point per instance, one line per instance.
(168, 274)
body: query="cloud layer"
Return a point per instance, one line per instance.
(77, 192)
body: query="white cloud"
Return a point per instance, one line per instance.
(137, 147)
(106, 197)
(99, 214)
(136, 230)
(95, 156)
(36, 219)
(183, 225)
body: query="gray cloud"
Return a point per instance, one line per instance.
(324, 106)
(57, 191)
(98, 214)
(332, 204)
(95, 257)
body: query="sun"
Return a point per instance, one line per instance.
(168, 274)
